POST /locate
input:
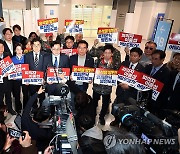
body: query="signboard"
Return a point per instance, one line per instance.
(160, 16)
(32, 77)
(162, 34)
(69, 52)
(107, 34)
(6, 66)
(74, 26)
(105, 77)
(51, 74)
(18, 73)
(174, 42)
(140, 81)
(129, 40)
(82, 74)
(48, 25)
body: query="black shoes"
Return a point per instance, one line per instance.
(102, 121)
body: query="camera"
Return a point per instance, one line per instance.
(62, 122)
(147, 127)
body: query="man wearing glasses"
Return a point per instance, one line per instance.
(150, 46)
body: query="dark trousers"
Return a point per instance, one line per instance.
(33, 89)
(17, 85)
(5, 90)
(105, 103)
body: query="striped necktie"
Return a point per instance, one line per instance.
(56, 63)
(36, 61)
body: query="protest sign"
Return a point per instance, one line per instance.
(129, 40)
(54, 78)
(6, 66)
(69, 52)
(32, 77)
(174, 42)
(74, 26)
(48, 25)
(107, 34)
(18, 73)
(82, 74)
(139, 81)
(105, 77)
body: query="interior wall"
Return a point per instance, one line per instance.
(92, 2)
(173, 12)
(122, 9)
(9, 4)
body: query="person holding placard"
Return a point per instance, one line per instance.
(35, 59)
(103, 90)
(6, 86)
(123, 91)
(55, 60)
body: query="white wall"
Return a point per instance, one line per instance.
(92, 2)
(173, 12)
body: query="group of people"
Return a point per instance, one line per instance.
(40, 55)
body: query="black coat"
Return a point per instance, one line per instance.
(7, 50)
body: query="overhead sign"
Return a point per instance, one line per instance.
(129, 40)
(74, 26)
(107, 34)
(160, 16)
(174, 42)
(48, 25)
(162, 34)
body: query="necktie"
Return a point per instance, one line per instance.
(131, 67)
(36, 61)
(56, 63)
(177, 80)
(153, 71)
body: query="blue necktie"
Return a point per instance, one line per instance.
(56, 63)
(153, 71)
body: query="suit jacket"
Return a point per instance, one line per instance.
(162, 75)
(123, 95)
(174, 94)
(29, 59)
(7, 50)
(20, 39)
(89, 62)
(63, 62)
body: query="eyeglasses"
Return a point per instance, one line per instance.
(148, 48)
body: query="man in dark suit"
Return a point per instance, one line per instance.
(6, 86)
(123, 91)
(80, 59)
(160, 72)
(55, 60)
(174, 90)
(35, 59)
(9, 45)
